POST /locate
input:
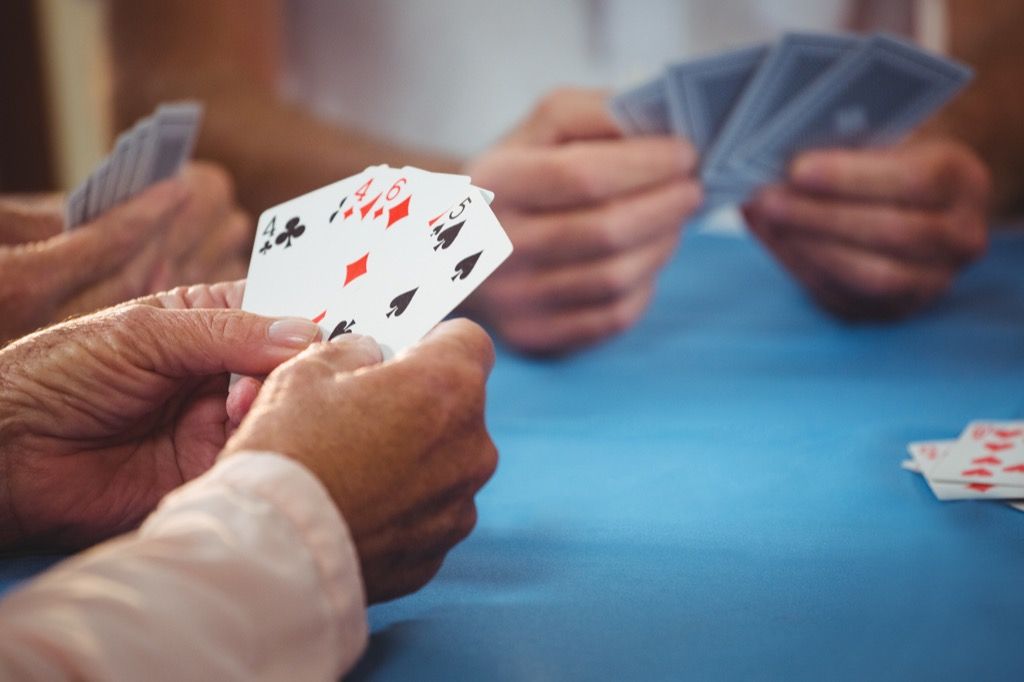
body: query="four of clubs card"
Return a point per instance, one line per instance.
(387, 253)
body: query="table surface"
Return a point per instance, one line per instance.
(717, 494)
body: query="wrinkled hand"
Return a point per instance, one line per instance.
(107, 262)
(102, 416)
(877, 233)
(210, 238)
(593, 217)
(400, 446)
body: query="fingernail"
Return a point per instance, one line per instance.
(293, 332)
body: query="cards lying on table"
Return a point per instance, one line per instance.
(387, 253)
(153, 150)
(749, 111)
(985, 463)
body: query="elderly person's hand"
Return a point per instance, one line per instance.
(593, 217)
(103, 415)
(184, 231)
(401, 446)
(877, 233)
(210, 238)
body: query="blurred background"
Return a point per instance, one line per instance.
(54, 65)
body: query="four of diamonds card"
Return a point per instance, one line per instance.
(387, 253)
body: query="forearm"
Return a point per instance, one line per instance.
(246, 573)
(987, 115)
(275, 151)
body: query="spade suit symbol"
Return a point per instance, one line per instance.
(401, 302)
(447, 237)
(465, 266)
(343, 327)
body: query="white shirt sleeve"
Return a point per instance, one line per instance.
(248, 572)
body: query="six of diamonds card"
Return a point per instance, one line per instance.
(387, 253)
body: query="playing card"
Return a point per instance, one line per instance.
(145, 148)
(927, 456)
(97, 181)
(986, 454)
(117, 159)
(358, 255)
(126, 171)
(642, 110)
(74, 213)
(701, 93)
(871, 96)
(794, 63)
(174, 130)
(418, 281)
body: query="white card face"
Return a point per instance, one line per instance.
(927, 456)
(359, 255)
(987, 453)
(430, 272)
(294, 258)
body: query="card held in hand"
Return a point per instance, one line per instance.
(387, 253)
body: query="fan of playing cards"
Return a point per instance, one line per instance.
(985, 463)
(154, 150)
(748, 111)
(387, 253)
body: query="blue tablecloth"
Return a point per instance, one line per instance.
(717, 495)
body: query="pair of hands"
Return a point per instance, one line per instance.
(179, 232)
(594, 216)
(102, 416)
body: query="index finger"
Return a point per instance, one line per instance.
(584, 173)
(929, 176)
(95, 252)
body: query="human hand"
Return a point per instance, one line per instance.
(102, 416)
(877, 233)
(210, 237)
(66, 273)
(593, 217)
(401, 446)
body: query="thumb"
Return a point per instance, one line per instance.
(202, 342)
(566, 115)
(347, 353)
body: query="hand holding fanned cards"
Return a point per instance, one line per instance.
(387, 253)
(985, 463)
(154, 150)
(748, 112)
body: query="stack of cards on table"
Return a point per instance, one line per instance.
(749, 111)
(387, 253)
(985, 463)
(154, 150)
